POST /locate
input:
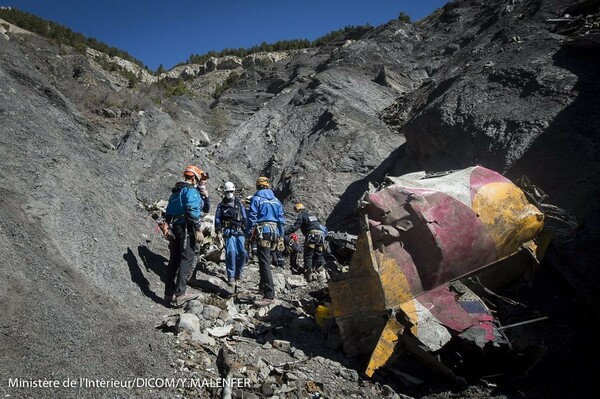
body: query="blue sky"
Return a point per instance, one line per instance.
(169, 31)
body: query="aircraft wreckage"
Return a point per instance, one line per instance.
(432, 246)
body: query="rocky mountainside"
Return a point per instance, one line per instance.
(508, 84)
(518, 95)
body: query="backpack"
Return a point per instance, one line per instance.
(232, 213)
(175, 206)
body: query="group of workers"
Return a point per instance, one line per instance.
(258, 225)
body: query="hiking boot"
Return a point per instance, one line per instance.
(168, 300)
(309, 276)
(231, 282)
(264, 302)
(182, 299)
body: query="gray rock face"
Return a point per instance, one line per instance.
(211, 312)
(188, 322)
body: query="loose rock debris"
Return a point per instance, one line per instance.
(272, 350)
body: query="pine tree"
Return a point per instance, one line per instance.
(404, 17)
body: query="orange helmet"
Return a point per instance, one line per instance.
(193, 171)
(262, 182)
(298, 207)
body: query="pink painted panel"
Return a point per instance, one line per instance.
(481, 176)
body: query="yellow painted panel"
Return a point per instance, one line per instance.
(395, 285)
(385, 346)
(396, 289)
(410, 310)
(509, 218)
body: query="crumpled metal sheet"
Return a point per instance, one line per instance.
(422, 234)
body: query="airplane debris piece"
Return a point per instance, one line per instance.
(431, 246)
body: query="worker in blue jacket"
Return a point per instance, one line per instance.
(230, 221)
(266, 224)
(183, 214)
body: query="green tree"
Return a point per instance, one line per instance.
(132, 77)
(404, 17)
(348, 32)
(176, 87)
(180, 89)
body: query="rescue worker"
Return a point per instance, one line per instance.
(251, 245)
(183, 214)
(230, 220)
(292, 248)
(277, 258)
(313, 239)
(266, 223)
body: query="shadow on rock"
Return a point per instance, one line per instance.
(299, 335)
(565, 163)
(137, 276)
(155, 262)
(210, 284)
(342, 216)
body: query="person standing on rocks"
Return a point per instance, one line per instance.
(230, 219)
(277, 258)
(266, 223)
(292, 248)
(313, 239)
(251, 245)
(183, 214)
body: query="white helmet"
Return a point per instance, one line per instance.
(228, 186)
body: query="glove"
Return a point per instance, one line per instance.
(199, 237)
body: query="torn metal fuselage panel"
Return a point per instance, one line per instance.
(421, 236)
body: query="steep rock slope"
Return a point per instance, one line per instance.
(319, 129)
(71, 307)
